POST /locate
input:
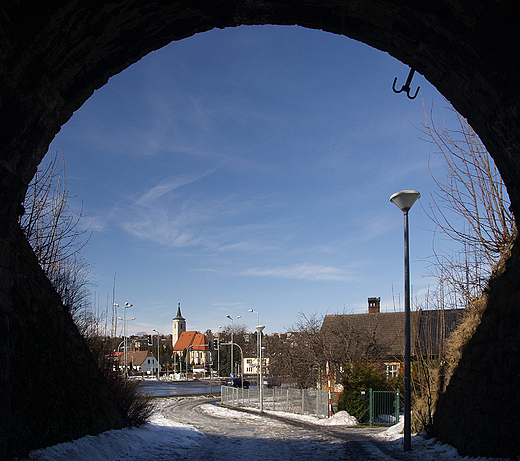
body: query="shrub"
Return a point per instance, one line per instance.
(135, 407)
(359, 377)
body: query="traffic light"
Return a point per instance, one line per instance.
(215, 344)
(150, 340)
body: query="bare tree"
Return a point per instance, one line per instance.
(53, 231)
(471, 207)
(240, 334)
(300, 358)
(430, 345)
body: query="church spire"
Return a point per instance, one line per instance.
(179, 316)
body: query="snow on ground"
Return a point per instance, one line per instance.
(119, 445)
(394, 435)
(341, 418)
(175, 438)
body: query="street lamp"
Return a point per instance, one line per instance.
(218, 349)
(258, 346)
(257, 340)
(232, 330)
(125, 307)
(187, 356)
(124, 339)
(242, 360)
(404, 200)
(259, 329)
(158, 362)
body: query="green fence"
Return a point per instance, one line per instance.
(383, 407)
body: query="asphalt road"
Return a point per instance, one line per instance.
(251, 436)
(165, 388)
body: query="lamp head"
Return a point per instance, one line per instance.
(405, 199)
(250, 310)
(229, 317)
(239, 316)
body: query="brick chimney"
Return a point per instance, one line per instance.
(373, 305)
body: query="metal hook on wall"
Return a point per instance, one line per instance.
(406, 86)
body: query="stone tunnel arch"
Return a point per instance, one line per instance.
(52, 58)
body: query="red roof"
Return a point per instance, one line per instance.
(198, 341)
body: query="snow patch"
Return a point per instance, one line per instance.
(165, 437)
(120, 444)
(393, 432)
(341, 418)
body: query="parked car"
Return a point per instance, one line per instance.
(269, 382)
(237, 382)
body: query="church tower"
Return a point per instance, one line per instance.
(179, 326)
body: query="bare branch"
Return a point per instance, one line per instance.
(471, 207)
(53, 231)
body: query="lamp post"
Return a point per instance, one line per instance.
(125, 307)
(404, 200)
(218, 350)
(118, 347)
(187, 356)
(158, 361)
(260, 328)
(257, 342)
(125, 322)
(232, 330)
(241, 358)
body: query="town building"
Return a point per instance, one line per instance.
(140, 362)
(429, 331)
(178, 326)
(251, 366)
(190, 348)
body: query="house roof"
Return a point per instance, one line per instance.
(136, 358)
(198, 341)
(428, 328)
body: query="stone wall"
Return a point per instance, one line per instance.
(479, 405)
(54, 392)
(54, 55)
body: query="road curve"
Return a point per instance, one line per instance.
(252, 436)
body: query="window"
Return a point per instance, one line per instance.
(392, 370)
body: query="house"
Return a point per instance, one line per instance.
(190, 347)
(196, 346)
(385, 331)
(140, 362)
(250, 365)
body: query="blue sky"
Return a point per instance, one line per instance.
(251, 168)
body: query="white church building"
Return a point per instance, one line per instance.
(189, 347)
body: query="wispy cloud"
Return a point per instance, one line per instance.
(173, 229)
(303, 272)
(168, 185)
(195, 217)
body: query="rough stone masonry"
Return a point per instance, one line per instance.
(54, 54)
